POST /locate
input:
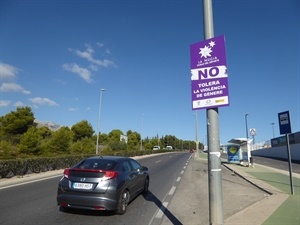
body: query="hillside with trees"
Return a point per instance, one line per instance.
(21, 137)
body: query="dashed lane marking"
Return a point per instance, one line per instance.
(161, 210)
(171, 192)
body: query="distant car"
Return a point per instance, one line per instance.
(102, 183)
(169, 147)
(156, 147)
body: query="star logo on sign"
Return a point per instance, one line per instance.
(212, 44)
(205, 52)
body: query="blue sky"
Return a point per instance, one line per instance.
(56, 56)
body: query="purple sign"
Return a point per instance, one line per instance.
(209, 74)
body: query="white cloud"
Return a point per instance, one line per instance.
(99, 44)
(82, 72)
(73, 109)
(88, 55)
(13, 87)
(4, 103)
(86, 72)
(8, 72)
(19, 104)
(42, 101)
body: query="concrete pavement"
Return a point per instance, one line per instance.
(248, 196)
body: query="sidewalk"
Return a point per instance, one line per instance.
(281, 208)
(277, 206)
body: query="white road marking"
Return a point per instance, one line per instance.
(171, 192)
(161, 210)
(178, 179)
(32, 181)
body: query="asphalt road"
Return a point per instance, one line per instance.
(35, 203)
(274, 163)
(278, 164)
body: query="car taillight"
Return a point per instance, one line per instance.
(66, 173)
(99, 207)
(107, 174)
(110, 174)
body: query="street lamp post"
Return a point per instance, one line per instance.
(248, 152)
(142, 132)
(273, 130)
(98, 130)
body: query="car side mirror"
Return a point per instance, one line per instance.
(144, 168)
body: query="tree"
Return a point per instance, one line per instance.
(60, 141)
(134, 140)
(45, 132)
(17, 122)
(103, 138)
(81, 130)
(114, 135)
(84, 146)
(30, 142)
(7, 150)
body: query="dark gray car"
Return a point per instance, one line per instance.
(102, 183)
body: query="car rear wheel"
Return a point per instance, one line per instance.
(123, 202)
(146, 186)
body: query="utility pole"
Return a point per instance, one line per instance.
(214, 159)
(98, 130)
(197, 142)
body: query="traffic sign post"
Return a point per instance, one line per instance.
(210, 90)
(209, 79)
(285, 128)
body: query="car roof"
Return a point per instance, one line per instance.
(115, 158)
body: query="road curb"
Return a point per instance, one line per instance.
(261, 210)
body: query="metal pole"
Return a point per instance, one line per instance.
(290, 163)
(273, 130)
(197, 142)
(142, 132)
(98, 130)
(214, 159)
(247, 137)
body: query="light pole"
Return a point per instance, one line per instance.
(142, 132)
(248, 152)
(197, 143)
(98, 130)
(273, 129)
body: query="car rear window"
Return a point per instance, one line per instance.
(97, 164)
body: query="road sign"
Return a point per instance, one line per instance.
(209, 80)
(123, 138)
(252, 131)
(284, 122)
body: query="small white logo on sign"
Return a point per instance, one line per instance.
(252, 131)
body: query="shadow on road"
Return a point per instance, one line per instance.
(87, 212)
(152, 198)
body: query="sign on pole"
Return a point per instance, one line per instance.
(285, 128)
(124, 138)
(209, 74)
(252, 131)
(284, 122)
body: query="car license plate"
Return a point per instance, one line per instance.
(86, 186)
